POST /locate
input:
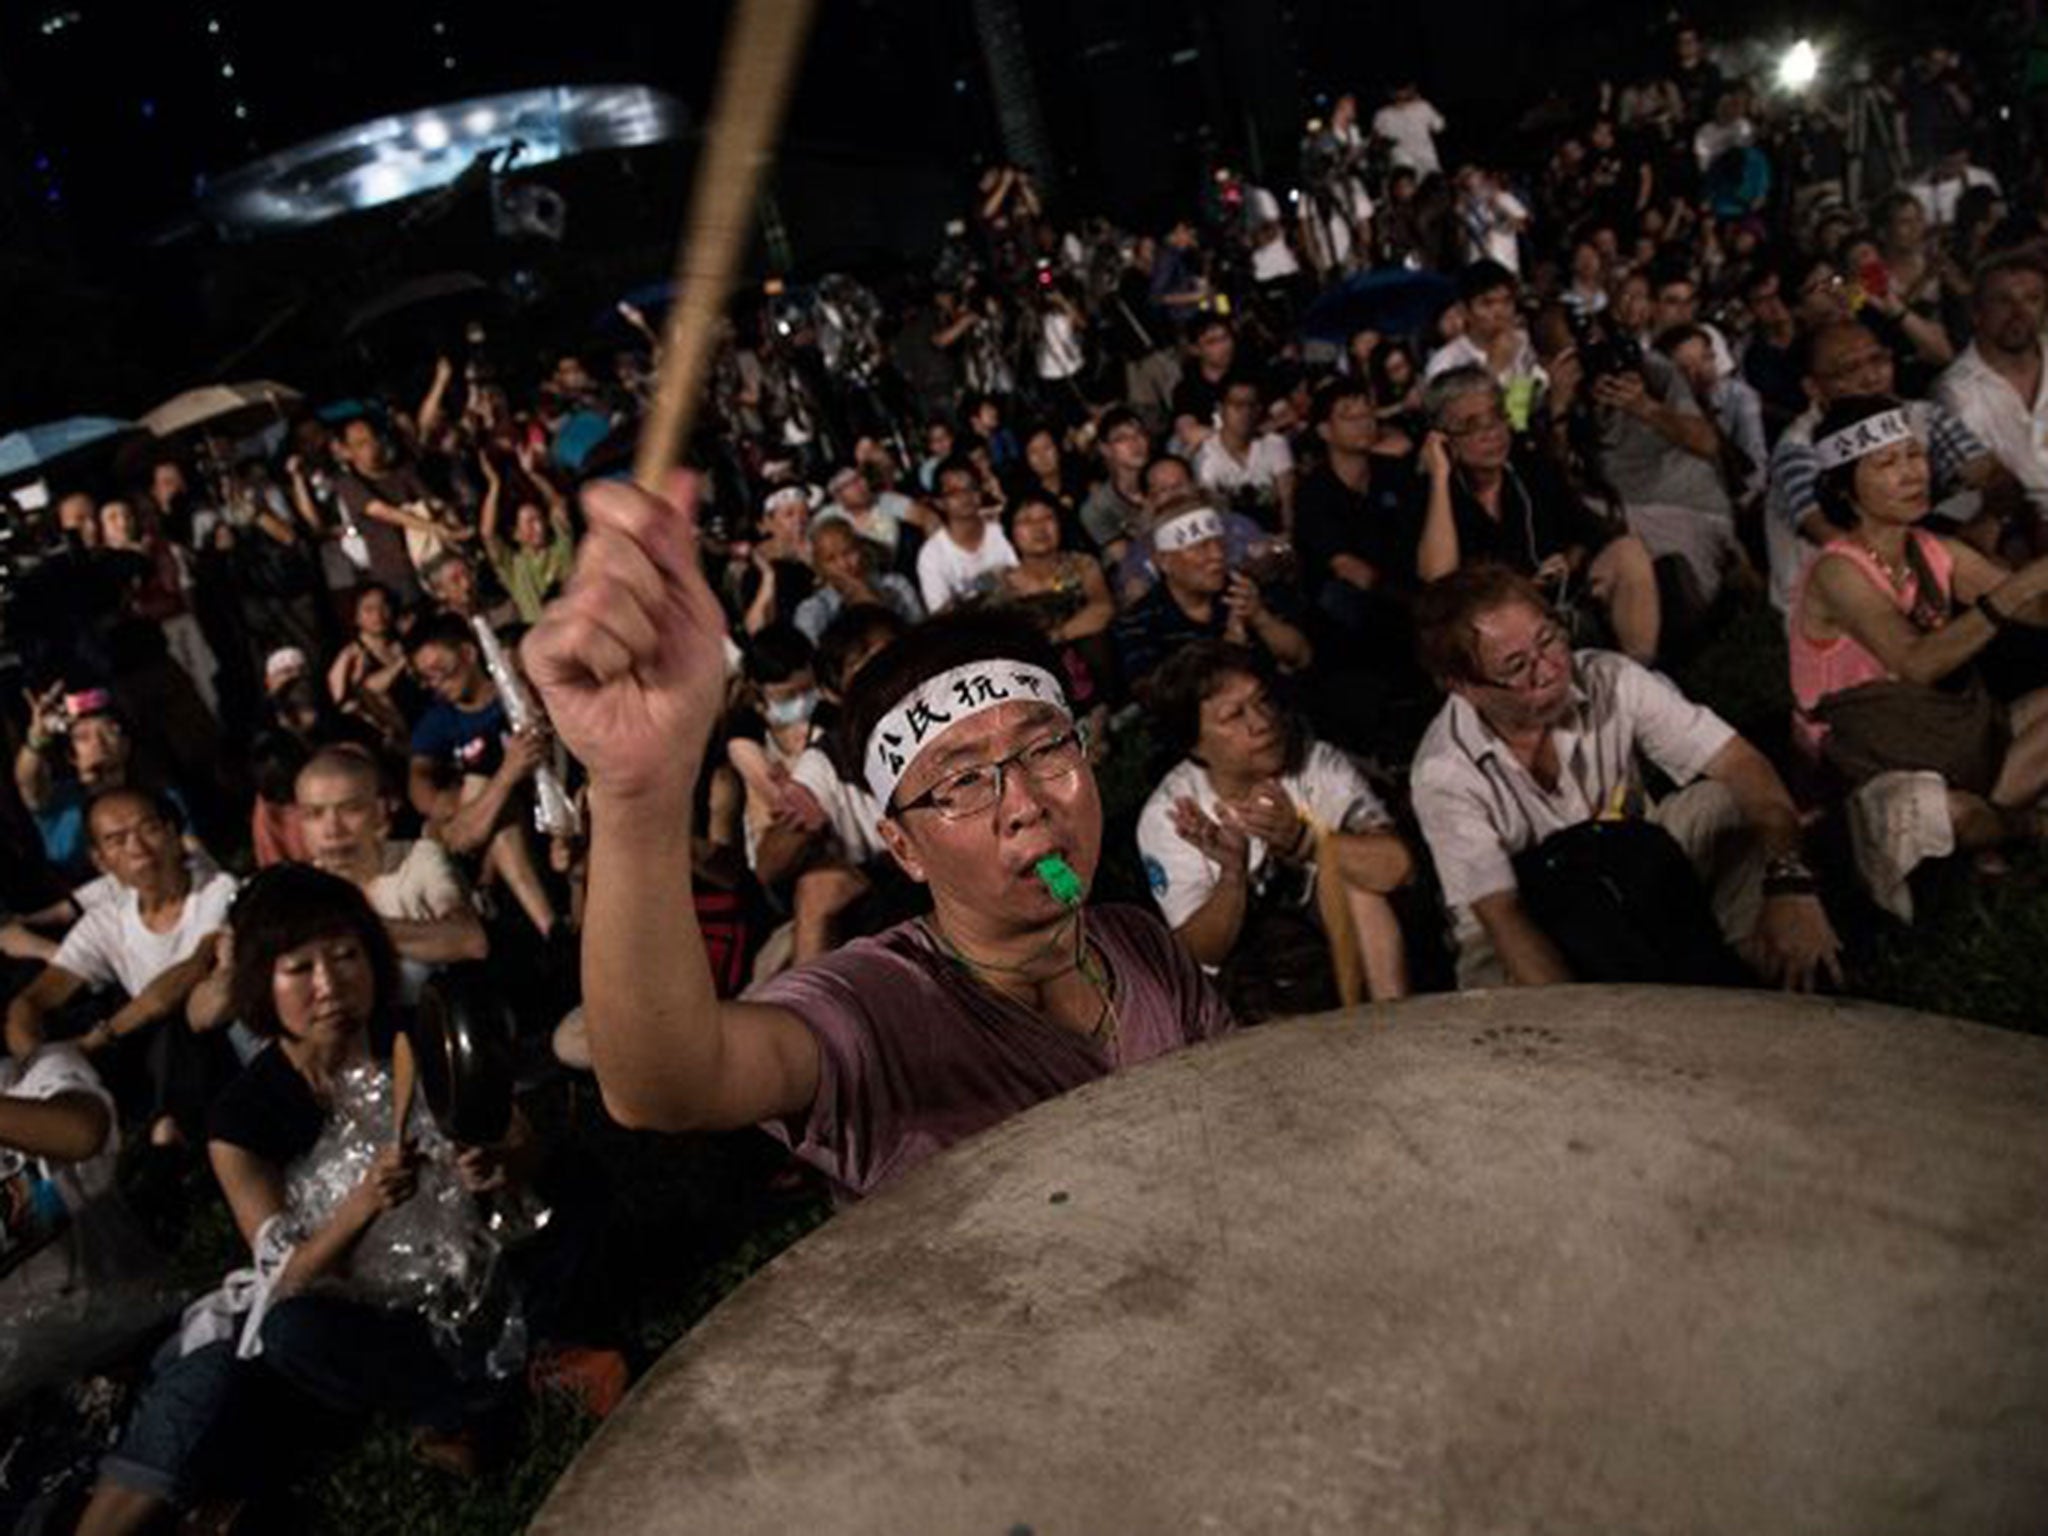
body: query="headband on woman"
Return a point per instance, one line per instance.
(1863, 437)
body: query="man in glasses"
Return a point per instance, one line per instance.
(1537, 739)
(893, 1047)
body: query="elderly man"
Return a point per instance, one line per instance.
(894, 1047)
(1199, 597)
(155, 939)
(413, 886)
(1536, 739)
(877, 516)
(1485, 502)
(83, 733)
(1998, 387)
(1845, 359)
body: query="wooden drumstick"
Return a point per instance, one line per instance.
(404, 1072)
(753, 87)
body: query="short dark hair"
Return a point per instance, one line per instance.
(1032, 496)
(956, 464)
(1671, 338)
(1333, 392)
(1115, 419)
(1205, 322)
(288, 905)
(1175, 693)
(2014, 259)
(777, 654)
(923, 652)
(1445, 641)
(161, 804)
(439, 628)
(1482, 277)
(852, 628)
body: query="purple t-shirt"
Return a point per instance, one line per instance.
(914, 1055)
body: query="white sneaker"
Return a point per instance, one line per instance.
(1897, 821)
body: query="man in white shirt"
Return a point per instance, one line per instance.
(963, 559)
(1252, 471)
(1411, 125)
(1943, 187)
(1536, 739)
(1998, 387)
(156, 941)
(413, 886)
(1494, 338)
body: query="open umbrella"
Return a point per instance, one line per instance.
(34, 448)
(1393, 301)
(229, 409)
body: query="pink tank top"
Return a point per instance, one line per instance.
(1821, 668)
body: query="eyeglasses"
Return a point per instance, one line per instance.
(970, 791)
(1520, 672)
(1493, 421)
(1818, 285)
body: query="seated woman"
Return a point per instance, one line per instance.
(1231, 838)
(1483, 501)
(315, 972)
(1886, 627)
(1065, 594)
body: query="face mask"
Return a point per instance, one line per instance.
(794, 711)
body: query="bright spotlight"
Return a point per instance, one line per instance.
(1800, 67)
(431, 134)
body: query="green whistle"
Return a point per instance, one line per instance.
(1060, 880)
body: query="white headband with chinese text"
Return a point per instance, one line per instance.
(946, 700)
(1863, 437)
(1176, 534)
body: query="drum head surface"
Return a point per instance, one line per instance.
(1589, 1258)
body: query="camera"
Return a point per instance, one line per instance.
(1602, 352)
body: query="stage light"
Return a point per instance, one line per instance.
(1800, 67)
(431, 134)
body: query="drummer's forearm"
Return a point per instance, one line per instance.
(648, 995)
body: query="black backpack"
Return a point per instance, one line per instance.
(1622, 903)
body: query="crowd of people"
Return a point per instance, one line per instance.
(1381, 623)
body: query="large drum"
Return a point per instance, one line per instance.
(1577, 1259)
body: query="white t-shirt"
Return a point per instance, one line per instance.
(1059, 347)
(2015, 430)
(110, 944)
(1938, 198)
(1412, 127)
(1220, 470)
(948, 574)
(28, 1185)
(880, 524)
(851, 808)
(1329, 788)
(419, 883)
(1479, 806)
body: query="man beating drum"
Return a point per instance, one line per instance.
(895, 1047)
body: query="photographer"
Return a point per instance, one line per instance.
(1482, 501)
(1626, 420)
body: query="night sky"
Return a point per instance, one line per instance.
(113, 112)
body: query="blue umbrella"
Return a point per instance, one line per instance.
(1392, 301)
(33, 447)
